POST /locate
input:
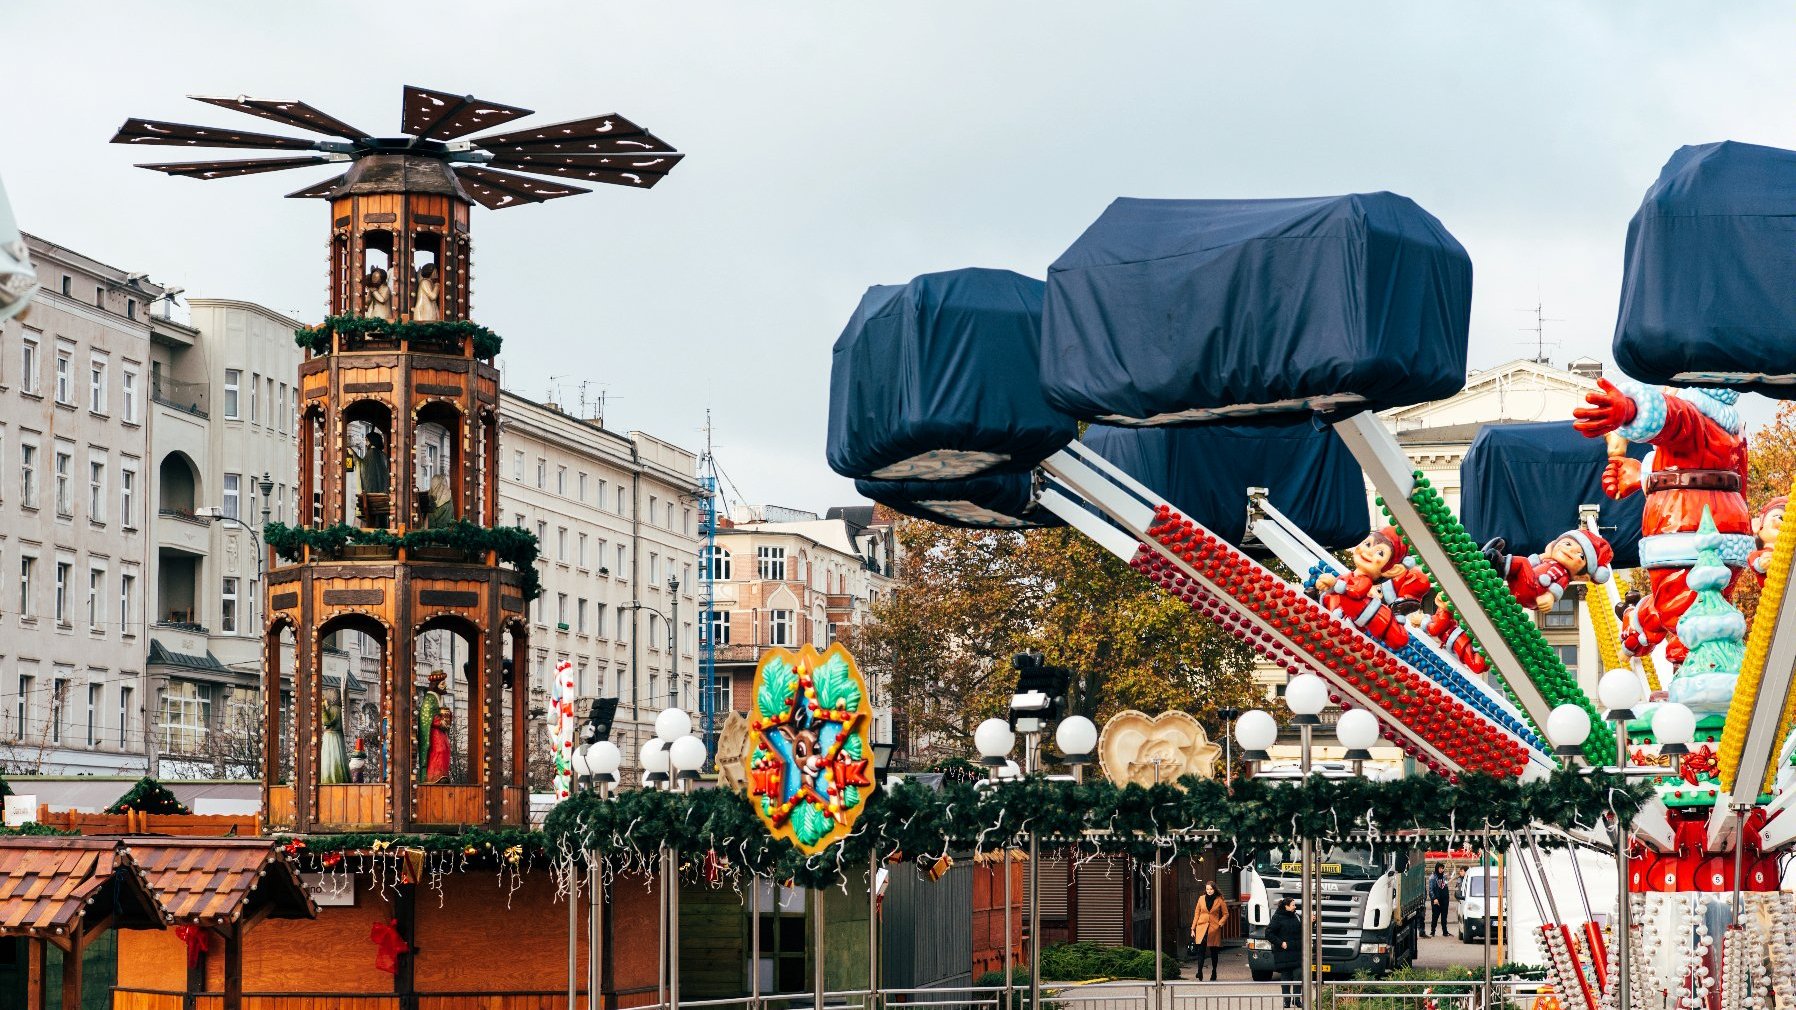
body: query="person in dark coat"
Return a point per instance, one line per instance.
(1439, 893)
(1285, 934)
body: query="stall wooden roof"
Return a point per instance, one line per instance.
(221, 882)
(53, 887)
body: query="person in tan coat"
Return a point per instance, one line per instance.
(1206, 927)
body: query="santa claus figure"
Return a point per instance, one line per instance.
(1539, 581)
(1764, 531)
(1381, 587)
(1698, 461)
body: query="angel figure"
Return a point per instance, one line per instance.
(377, 295)
(333, 760)
(427, 307)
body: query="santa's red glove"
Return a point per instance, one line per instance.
(1621, 477)
(1609, 409)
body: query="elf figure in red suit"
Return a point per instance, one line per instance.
(1764, 529)
(1698, 461)
(1538, 581)
(1381, 587)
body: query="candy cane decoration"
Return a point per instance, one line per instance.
(561, 728)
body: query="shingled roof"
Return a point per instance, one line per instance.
(52, 887)
(222, 881)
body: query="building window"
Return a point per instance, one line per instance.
(581, 484)
(67, 285)
(770, 563)
(28, 365)
(716, 564)
(1568, 654)
(542, 532)
(686, 578)
(1564, 615)
(654, 569)
(622, 501)
(623, 567)
(561, 543)
(580, 615)
(96, 490)
(623, 624)
(27, 574)
(124, 718)
(670, 508)
(723, 695)
(279, 420)
(62, 592)
(59, 693)
(652, 502)
(26, 685)
(686, 521)
(561, 611)
(720, 627)
(233, 495)
(127, 495)
(227, 613)
(64, 461)
(561, 481)
(96, 386)
(183, 717)
(517, 466)
(255, 401)
(96, 580)
(542, 473)
(233, 382)
(580, 551)
(127, 595)
(65, 377)
(779, 627)
(517, 519)
(128, 387)
(93, 714)
(28, 476)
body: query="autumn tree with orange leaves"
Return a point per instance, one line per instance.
(967, 600)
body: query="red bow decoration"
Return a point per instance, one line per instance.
(332, 858)
(1698, 763)
(197, 943)
(389, 945)
(850, 772)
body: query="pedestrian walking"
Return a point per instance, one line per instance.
(1206, 927)
(1439, 893)
(1285, 934)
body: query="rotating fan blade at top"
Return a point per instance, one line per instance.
(439, 115)
(573, 137)
(498, 190)
(642, 171)
(296, 114)
(158, 132)
(225, 169)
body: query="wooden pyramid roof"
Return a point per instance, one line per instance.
(52, 887)
(222, 881)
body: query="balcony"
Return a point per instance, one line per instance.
(187, 397)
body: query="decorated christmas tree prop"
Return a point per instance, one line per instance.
(1713, 630)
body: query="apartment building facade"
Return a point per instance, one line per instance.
(74, 438)
(617, 516)
(786, 578)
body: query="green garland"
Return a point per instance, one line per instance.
(507, 845)
(516, 547)
(317, 339)
(148, 796)
(1094, 817)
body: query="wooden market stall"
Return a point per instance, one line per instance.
(60, 893)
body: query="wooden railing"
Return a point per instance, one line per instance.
(132, 822)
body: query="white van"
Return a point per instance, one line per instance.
(1477, 889)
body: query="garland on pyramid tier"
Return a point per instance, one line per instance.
(1151, 823)
(514, 546)
(317, 339)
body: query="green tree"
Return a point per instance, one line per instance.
(967, 600)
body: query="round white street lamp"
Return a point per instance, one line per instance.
(672, 724)
(603, 758)
(1076, 737)
(1358, 732)
(687, 754)
(1674, 726)
(1619, 691)
(1256, 731)
(654, 760)
(993, 739)
(1568, 726)
(1306, 695)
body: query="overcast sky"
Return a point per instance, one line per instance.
(836, 145)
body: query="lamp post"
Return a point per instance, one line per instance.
(994, 739)
(596, 766)
(675, 758)
(1568, 727)
(1307, 695)
(1228, 744)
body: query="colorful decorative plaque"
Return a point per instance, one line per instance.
(810, 767)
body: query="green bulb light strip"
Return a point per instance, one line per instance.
(1541, 664)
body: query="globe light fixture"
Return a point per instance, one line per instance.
(581, 768)
(603, 758)
(687, 754)
(672, 724)
(1619, 691)
(1076, 737)
(993, 739)
(1568, 726)
(1674, 726)
(1357, 731)
(654, 760)
(1306, 695)
(1257, 731)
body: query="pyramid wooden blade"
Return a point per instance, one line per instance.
(498, 190)
(641, 143)
(439, 115)
(319, 189)
(226, 169)
(567, 136)
(158, 132)
(297, 114)
(637, 172)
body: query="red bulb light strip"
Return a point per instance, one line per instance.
(1291, 629)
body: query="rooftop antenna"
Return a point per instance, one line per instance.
(554, 388)
(1541, 343)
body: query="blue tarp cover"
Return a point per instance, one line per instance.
(1524, 483)
(999, 500)
(1205, 472)
(936, 380)
(1708, 291)
(1181, 311)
